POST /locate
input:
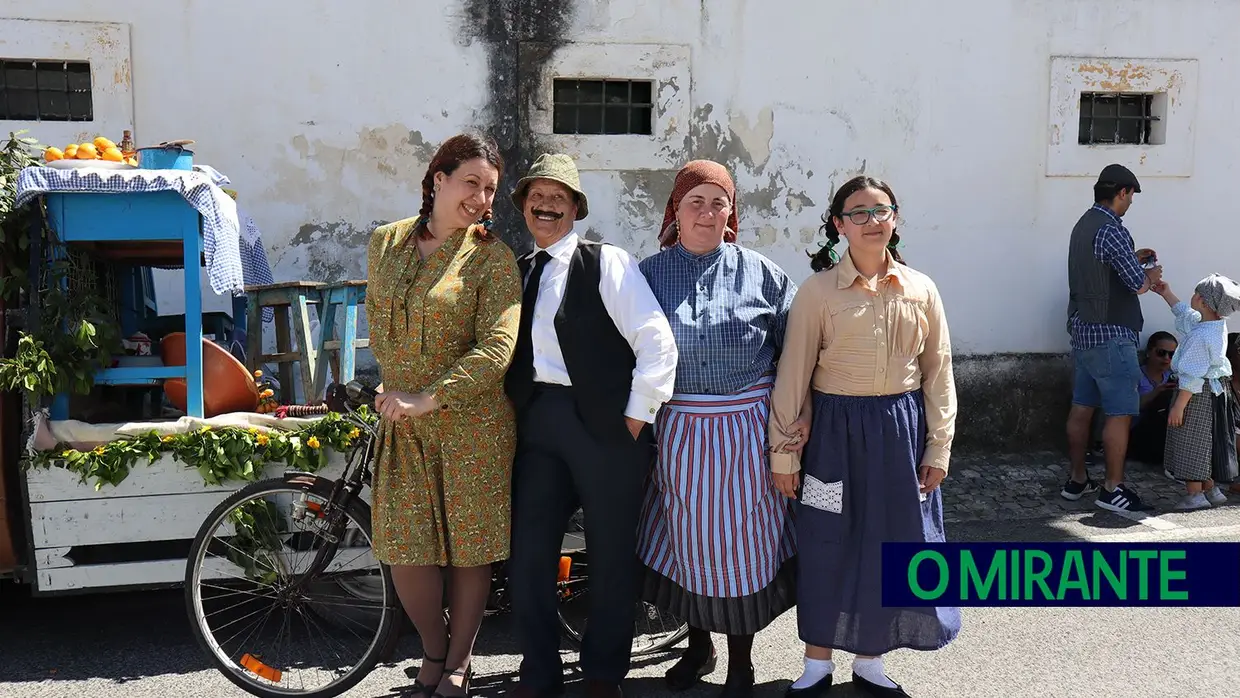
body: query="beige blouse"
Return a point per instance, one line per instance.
(848, 337)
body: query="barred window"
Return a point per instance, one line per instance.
(38, 90)
(1115, 118)
(603, 107)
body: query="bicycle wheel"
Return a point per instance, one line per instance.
(654, 630)
(268, 625)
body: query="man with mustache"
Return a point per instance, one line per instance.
(595, 360)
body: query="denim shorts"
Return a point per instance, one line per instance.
(1107, 376)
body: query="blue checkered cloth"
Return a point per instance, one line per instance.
(220, 228)
(254, 264)
(728, 309)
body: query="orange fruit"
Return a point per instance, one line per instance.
(101, 144)
(53, 153)
(87, 151)
(113, 154)
(71, 150)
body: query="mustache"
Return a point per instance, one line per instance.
(540, 212)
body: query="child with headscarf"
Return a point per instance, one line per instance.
(1201, 447)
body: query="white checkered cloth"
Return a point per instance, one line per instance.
(220, 227)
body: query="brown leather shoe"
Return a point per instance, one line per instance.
(603, 689)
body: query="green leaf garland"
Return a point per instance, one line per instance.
(219, 454)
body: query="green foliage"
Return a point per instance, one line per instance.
(219, 455)
(76, 336)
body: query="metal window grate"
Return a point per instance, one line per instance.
(593, 107)
(1114, 118)
(32, 90)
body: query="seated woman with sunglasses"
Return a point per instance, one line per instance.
(1157, 387)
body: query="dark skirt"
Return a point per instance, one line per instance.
(859, 490)
(1204, 447)
(737, 615)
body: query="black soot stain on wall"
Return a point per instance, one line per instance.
(520, 37)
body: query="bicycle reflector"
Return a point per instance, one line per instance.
(259, 669)
(566, 564)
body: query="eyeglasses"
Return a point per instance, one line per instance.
(880, 214)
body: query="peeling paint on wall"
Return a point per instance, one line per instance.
(520, 36)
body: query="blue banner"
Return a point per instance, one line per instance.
(1061, 574)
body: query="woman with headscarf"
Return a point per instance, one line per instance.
(715, 533)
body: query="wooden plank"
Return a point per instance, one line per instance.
(125, 520)
(167, 572)
(52, 558)
(104, 576)
(165, 476)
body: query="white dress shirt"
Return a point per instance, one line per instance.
(631, 305)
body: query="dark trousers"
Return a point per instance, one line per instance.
(560, 466)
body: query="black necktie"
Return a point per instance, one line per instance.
(524, 355)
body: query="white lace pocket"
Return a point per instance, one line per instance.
(825, 496)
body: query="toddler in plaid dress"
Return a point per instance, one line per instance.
(1200, 445)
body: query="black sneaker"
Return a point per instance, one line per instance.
(1073, 491)
(1121, 499)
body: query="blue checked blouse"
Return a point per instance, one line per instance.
(1200, 361)
(728, 309)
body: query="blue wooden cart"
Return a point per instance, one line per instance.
(130, 225)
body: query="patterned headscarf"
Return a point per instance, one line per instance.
(1220, 294)
(691, 175)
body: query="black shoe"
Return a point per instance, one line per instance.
(739, 683)
(419, 689)
(1073, 491)
(1122, 498)
(811, 691)
(873, 689)
(688, 671)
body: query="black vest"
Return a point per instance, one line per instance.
(1095, 291)
(599, 359)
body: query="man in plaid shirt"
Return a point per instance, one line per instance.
(1106, 276)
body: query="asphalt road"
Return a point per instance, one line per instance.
(138, 645)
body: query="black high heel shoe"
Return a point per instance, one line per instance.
(421, 689)
(467, 672)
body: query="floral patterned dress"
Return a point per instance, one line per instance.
(446, 325)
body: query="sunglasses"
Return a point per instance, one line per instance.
(1164, 353)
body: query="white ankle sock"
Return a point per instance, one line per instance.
(815, 670)
(872, 670)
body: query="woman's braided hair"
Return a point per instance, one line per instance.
(826, 257)
(454, 151)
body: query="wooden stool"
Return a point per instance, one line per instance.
(341, 353)
(294, 295)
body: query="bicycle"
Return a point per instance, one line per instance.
(259, 545)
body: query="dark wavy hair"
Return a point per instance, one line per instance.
(825, 258)
(454, 151)
(1159, 336)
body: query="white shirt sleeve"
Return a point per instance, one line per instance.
(639, 317)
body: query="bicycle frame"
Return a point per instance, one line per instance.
(355, 477)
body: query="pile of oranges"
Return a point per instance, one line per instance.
(100, 149)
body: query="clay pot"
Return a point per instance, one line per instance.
(227, 385)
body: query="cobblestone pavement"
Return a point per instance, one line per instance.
(1027, 485)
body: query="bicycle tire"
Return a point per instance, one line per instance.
(359, 511)
(573, 635)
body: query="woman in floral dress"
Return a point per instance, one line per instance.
(443, 303)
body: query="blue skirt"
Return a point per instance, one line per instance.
(859, 489)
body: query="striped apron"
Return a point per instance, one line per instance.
(712, 520)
